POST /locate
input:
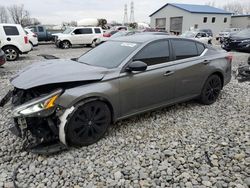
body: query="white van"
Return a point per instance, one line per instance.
(14, 41)
(77, 36)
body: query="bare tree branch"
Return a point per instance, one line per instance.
(18, 14)
(3, 15)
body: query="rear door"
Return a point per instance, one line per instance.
(87, 35)
(190, 67)
(153, 87)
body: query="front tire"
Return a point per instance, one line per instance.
(88, 123)
(11, 53)
(65, 44)
(211, 90)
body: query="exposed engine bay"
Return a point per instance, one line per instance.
(40, 134)
(40, 131)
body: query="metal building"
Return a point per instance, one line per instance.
(240, 21)
(178, 18)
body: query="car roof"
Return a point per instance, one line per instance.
(7, 24)
(142, 38)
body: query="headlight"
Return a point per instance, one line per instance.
(37, 106)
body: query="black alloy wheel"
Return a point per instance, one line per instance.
(211, 90)
(88, 123)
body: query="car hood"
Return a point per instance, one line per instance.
(239, 38)
(56, 71)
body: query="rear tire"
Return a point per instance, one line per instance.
(211, 90)
(11, 53)
(93, 44)
(88, 123)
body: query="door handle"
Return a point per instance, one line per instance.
(205, 62)
(168, 73)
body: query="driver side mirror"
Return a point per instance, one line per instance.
(137, 66)
(198, 36)
(72, 33)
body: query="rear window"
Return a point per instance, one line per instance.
(97, 30)
(10, 30)
(184, 49)
(40, 29)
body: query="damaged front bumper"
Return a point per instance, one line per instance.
(37, 122)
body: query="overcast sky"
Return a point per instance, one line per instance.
(56, 11)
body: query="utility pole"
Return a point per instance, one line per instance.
(125, 18)
(132, 13)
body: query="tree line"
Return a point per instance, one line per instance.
(17, 14)
(234, 7)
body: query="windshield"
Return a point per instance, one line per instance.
(243, 33)
(67, 31)
(109, 55)
(189, 34)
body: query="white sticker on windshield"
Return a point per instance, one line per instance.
(128, 44)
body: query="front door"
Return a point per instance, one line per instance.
(154, 87)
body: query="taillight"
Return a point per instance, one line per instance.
(229, 58)
(107, 35)
(26, 40)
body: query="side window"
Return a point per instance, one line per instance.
(40, 29)
(200, 48)
(86, 31)
(198, 35)
(213, 19)
(205, 20)
(10, 30)
(97, 30)
(78, 32)
(154, 53)
(184, 49)
(203, 35)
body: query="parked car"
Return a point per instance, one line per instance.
(115, 35)
(33, 40)
(78, 36)
(153, 33)
(207, 31)
(42, 33)
(197, 35)
(77, 100)
(14, 41)
(106, 35)
(226, 33)
(2, 57)
(239, 42)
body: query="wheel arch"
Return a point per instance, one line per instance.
(68, 113)
(11, 45)
(218, 73)
(98, 98)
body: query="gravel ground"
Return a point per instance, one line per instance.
(185, 145)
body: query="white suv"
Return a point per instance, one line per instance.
(14, 41)
(78, 35)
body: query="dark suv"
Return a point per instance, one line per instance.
(238, 42)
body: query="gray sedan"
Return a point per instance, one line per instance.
(72, 103)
